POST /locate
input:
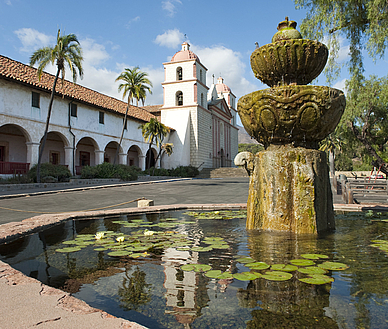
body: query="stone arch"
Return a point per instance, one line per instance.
(54, 149)
(133, 156)
(110, 152)
(14, 150)
(85, 154)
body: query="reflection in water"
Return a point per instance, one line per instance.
(176, 299)
(135, 291)
(286, 304)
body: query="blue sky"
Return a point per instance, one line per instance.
(115, 35)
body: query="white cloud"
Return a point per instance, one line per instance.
(170, 6)
(8, 2)
(93, 53)
(135, 19)
(32, 39)
(170, 38)
(223, 61)
(343, 52)
(340, 85)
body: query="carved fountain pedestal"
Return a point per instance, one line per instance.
(289, 187)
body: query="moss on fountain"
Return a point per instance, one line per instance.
(289, 187)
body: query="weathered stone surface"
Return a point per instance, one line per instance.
(290, 191)
(303, 115)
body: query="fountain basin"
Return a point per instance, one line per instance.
(303, 115)
(293, 61)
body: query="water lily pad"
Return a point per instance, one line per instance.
(257, 266)
(219, 246)
(213, 273)
(119, 253)
(317, 279)
(314, 256)
(302, 262)
(225, 275)
(122, 222)
(85, 236)
(333, 266)
(163, 224)
(171, 218)
(131, 225)
(70, 242)
(68, 249)
(277, 276)
(246, 276)
(138, 221)
(201, 249)
(312, 270)
(245, 260)
(284, 267)
(196, 267)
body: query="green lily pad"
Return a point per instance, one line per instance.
(163, 224)
(69, 242)
(314, 256)
(131, 225)
(68, 249)
(333, 266)
(196, 267)
(284, 267)
(277, 276)
(257, 266)
(380, 241)
(246, 276)
(201, 249)
(245, 260)
(317, 279)
(85, 236)
(119, 253)
(171, 218)
(225, 275)
(302, 262)
(312, 270)
(219, 246)
(122, 222)
(213, 273)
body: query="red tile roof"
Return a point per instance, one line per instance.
(21, 73)
(152, 108)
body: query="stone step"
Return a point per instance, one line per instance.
(222, 172)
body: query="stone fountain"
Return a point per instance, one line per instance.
(289, 187)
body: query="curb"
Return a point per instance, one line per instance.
(11, 196)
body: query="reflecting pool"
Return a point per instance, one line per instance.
(145, 268)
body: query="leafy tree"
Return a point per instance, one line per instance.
(364, 23)
(67, 51)
(250, 147)
(366, 116)
(154, 132)
(135, 86)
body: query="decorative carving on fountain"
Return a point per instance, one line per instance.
(289, 185)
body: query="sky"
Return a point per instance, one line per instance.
(120, 34)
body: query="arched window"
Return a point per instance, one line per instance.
(200, 75)
(179, 98)
(179, 73)
(202, 100)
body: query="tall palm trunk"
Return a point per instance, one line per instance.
(47, 126)
(121, 137)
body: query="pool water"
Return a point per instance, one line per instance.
(151, 288)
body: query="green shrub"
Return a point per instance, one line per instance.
(16, 179)
(108, 170)
(61, 173)
(185, 171)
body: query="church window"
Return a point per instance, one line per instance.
(101, 117)
(73, 110)
(202, 103)
(35, 99)
(179, 73)
(179, 98)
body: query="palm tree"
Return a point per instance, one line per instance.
(154, 131)
(135, 85)
(330, 144)
(66, 51)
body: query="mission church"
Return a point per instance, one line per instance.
(85, 125)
